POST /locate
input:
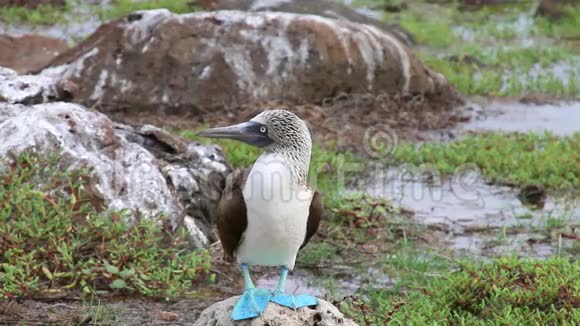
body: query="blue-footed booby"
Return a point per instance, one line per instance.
(268, 213)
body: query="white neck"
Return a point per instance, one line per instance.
(297, 161)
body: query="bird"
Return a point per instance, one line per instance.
(268, 212)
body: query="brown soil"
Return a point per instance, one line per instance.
(68, 308)
(29, 52)
(342, 121)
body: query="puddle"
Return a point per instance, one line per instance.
(364, 10)
(560, 119)
(521, 27)
(564, 72)
(301, 281)
(476, 218)
(80, 22)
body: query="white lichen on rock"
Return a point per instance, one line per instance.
(231, 57)
(128, 169)
(16, 88)
(325, 314)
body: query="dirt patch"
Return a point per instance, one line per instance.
(30, 52)
(128, 311)
(343, 121)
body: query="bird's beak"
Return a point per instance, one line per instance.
(247, 132)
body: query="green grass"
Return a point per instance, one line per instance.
(125, 7)
(316, 253)
(496, 38)
(563, 28)
(41, 15)
(506, 291)
(519, 159)
(49, 15)
(500, 71)
(428, 29)
(55, 239)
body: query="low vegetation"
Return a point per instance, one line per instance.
(564, 28)
(54, 239)
(496, 50)
(518, 159)
(41, 15)
(49, 14)
(121, 8)
(432, 290)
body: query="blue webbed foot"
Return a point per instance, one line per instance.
(251, 304)
(294, 301)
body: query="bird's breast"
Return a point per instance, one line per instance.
(277, 214)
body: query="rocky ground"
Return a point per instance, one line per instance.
(456, 124)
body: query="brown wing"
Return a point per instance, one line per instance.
(232, 220)
(314, 216)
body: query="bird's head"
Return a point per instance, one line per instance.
(273, 130)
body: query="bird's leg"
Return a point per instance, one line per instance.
(253, 301)
(281, 288)
(292, 301)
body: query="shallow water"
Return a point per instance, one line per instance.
(303, 281)
(561, 119)
(81, 21)
(475, 218)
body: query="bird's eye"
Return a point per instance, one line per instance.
(263, 129)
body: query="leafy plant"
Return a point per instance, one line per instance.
(124, 7)
(520, 159)
(505, 291)
(53, 237)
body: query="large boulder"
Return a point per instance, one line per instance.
(324, 8)
(325, 314)
(29, 52)
(191, 64)
(145, 169)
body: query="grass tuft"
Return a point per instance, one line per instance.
(565, 27)
(520, 159)
(54, 239)
(506, 291)
(50, 15)
(124, 7)
(41, 15)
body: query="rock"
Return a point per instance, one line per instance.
(324, 8)
(325, 314)
(28, 89)
(29, 52)
(145, 170)
(555, 9)
(157, 61)
(31, 3)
